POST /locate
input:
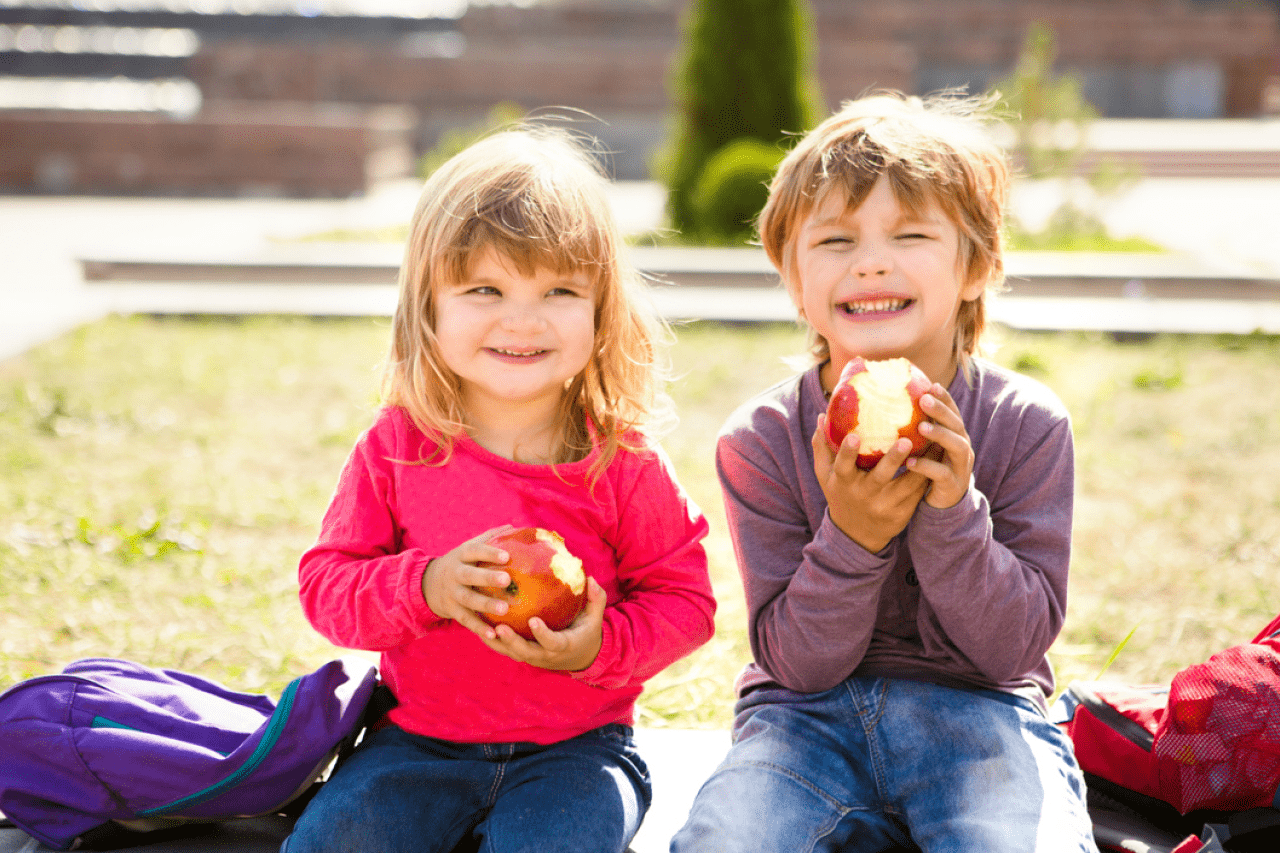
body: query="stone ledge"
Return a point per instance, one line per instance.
(1050, 274)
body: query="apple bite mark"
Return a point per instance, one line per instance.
(547, 581)
(879, 401)
(882, 389)
(564, 565)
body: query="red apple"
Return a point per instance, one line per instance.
(546, 581)
(879, 401)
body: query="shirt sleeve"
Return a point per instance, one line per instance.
(357, 587)
(666, 609)
(993, 568)
(811, 595)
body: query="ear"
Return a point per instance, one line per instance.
(796, 293)
(976, 277)
(790, 277)
(974, 289)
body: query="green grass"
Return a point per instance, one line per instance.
(160, 477)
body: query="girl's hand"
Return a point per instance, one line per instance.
(871, 507)
(948, 471)
(448, 583)
(573, 649)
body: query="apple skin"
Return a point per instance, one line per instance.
(536, 589)
(879, 401)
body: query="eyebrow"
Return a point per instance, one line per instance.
(577, 280)
(905, 220)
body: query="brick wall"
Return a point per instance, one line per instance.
(276, 150)
(585, 74)
(619, 57)
(1113, 45)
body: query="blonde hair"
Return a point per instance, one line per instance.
(932, 151)
(537, 197)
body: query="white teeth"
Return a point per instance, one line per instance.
(875, 306)
(515, 352)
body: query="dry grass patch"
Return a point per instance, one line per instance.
(160, 478)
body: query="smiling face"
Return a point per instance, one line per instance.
(513, 339)
(881, 281)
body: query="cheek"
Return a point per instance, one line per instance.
(586, 337)
(454, 333)
(810, 281)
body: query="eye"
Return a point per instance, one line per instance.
(571, 289)
(483, 290)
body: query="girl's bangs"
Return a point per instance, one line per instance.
(532, 233)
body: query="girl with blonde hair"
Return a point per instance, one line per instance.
(522, 380)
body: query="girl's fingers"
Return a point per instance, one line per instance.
(474, 600)
(477, 576)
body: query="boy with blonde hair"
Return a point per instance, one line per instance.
(899, 617)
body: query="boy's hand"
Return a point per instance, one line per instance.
(871, 507)
(573, 649)
(949, 471)
(447, 584)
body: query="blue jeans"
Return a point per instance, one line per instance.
(402, 793)
(891, 765)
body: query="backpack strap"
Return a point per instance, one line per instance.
(1253, 831)
(381, 700)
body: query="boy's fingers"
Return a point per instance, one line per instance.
(845, 462)
(823, 458)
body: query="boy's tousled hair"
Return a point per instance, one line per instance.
(537, 197)
(933, 150)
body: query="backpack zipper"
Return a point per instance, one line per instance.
(279, 718)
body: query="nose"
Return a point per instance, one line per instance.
(523, 318)
(870, 260)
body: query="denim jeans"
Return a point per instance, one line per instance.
(891, 765)
(402, 793)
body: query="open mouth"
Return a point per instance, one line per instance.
(517, 354)
(875, 306)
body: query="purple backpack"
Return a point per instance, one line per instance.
(111, 743)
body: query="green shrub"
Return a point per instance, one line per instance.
(731, 191)
(744, 70)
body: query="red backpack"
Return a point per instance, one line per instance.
(1204, 750)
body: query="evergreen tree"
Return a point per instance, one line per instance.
(745, 71)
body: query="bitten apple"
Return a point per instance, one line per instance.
(879, 401)
(546, 581)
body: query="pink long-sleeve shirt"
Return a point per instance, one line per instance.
(634, 529)
(972, 595)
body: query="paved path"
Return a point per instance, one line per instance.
(1228, 225)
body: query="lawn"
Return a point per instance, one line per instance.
(160, 477)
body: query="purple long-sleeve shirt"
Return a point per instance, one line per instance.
(972, 595)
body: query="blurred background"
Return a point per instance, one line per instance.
(325, 98)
